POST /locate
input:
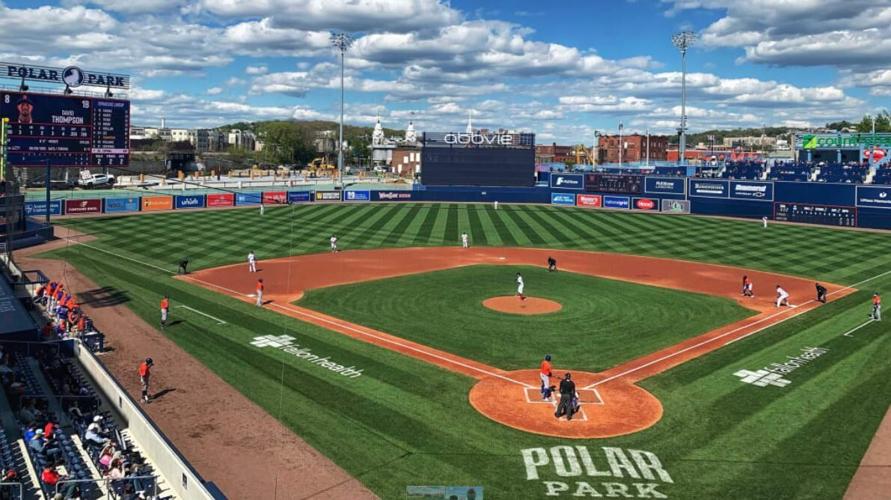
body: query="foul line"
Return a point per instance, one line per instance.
(849, 332)
(203, 314)
(168, 271)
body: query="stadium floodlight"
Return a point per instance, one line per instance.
(341, 42)
(682, 41)
(23, 87)
(621, 143)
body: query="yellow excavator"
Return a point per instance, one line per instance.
(320, 167)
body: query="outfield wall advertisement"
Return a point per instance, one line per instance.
(38, 208)
(675, 207)
(751, 190)
(113, 205)
(875, 197)
(157, 203)
(327, 195)
(299, 196)
(221, 200)
(616, 202)
(709, 188)
(189, 201)
(645, 204)
(567, 199)
(567, 181)
(248, 198)
(357, 196)
(665, 185)
(392, 195)
(81, 207)
(589, 200)
(275, 197)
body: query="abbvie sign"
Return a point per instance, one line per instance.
(479, 139)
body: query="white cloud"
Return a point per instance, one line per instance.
(215, 91)
(256, 70)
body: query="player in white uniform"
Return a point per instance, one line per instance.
(496, 204)
(764, 222)
(520, 286)
(333, 243)
(464, 240)
(782, 297)
(262, 209)
(252, 262)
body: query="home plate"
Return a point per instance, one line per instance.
(502, 258)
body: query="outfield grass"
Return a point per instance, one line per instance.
(406, 422)
(603, 322)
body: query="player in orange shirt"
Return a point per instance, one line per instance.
(260, 289)
(165, 310)
(876, 307)
(544, 374)
(145, 373)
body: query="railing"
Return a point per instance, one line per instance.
(109, 490)
(17, 486)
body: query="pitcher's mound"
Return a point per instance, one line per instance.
(513, 305)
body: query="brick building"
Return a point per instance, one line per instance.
(553, 154)
(406, 161)
(635, 150)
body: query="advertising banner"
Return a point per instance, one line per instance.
(156, 203)
(221, 200)
(392, 195)
(189, 201)
(747, 190)
(563, 199)
(709, 188)
(874, 197)
(327, 195)
(665, 185)
(248, 198)
(645, 204)
(299, 196)
(38, 208)
(357, 196)
(567, 181)
(589, 200)
(113, 205)
(275, 197)
(80, 207)
(675, 207)
(616, 202)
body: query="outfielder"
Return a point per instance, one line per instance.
(145, 372)
(545, 375)
(260, 288)
(464, 240)
(876, 307)
(764, 222)
(521, 285)
(782, 297)
(252, 262)
(333, 240)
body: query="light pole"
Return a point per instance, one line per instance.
(682, 41)
(621, 143)
(341, 42)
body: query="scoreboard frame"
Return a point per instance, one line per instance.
(598, 182)
(797, 216)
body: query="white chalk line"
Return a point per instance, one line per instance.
(109, 252)
(553, 402)
(849, 332)
(218, 320)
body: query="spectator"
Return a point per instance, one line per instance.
(43, 447)
(116, 470)
(95, 435)
(29, 433)
(51, 478)
(28, 413)
(106, 455)
(49, 429)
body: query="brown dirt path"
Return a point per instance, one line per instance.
(230, 440)
(872, 481)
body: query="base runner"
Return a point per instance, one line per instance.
(782, 297)
(545, 375)
(876, 307)
(165, 310)
(260, 289)
(747, 288)
(252, 262)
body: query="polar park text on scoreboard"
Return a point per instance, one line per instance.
(66, 131)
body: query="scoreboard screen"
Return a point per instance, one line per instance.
(614, 183)
(66, 131)
(816, 214)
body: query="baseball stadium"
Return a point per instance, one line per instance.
(460, 319)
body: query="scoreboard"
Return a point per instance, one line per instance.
(614, 183)
(816, 214)
(66, 131)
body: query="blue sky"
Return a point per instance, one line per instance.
(563, 69)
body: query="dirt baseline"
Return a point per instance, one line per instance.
(612, 404)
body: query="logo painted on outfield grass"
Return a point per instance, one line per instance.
(774, 373)
(286, 343)
(615, 472)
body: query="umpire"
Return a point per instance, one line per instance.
(821, 293)
(567, 393)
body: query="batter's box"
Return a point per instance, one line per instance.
(586, 396)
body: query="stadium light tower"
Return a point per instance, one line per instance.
(682, 41)
(341, 42)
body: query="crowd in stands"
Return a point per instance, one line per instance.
(67, 320)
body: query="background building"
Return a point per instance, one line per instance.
(634, 148)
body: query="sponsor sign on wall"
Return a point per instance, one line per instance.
(327, 195)
(563, 199)
(567, 181)
(589, 200)
(38, 208)
(113, 205)
(275, 197)
(221, 200)
(616, 202)
(80, 207)
(248, 198)
(758, 191)
(189, 201)
(357, 196)
(645, 204)
(393, 195)
(156, 203)
(299, 196)
(709, 188)
(874, 197)
(665, 185)
(675, 206)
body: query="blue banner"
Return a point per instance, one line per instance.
(299, 196)
(665, 185)
(113, 205)
(709, 188)
(248, 198)
(188, 201)
(567, 181)
(357, 196)
(747, 190)
(392, 195)
(616, 202)
(38, 208)
(874, 197)
(563, 199)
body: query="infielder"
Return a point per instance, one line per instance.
(545, 375)
(260, 288)
(876, 307)
(520, 286)
(145, 372)
(747, 289)
(782, 297)
(252, 262)
(333, 240)
(165, 310)
(464, 240)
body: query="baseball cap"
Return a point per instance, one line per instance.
(24, 98)
(149, 361)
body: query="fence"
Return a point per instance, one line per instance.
(138, 481)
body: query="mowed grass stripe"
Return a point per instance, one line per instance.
(426, 228)
(437, 235)
(451, 227)
(376, 220)
(504, 234)
(530, 233)
(478, 232)
(403, 221)
(559, 232)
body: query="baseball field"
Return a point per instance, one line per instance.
(385, 358)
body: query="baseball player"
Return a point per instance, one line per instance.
(260, 288)
(464, 240)
(165, 309)
(252, 262)
(782, 297)
(496, 204)
(545, 375)
(821, 292)
(262, 209)
(333, 240)
(747, 289)
(764, 222)
(145, 372)
(520, 286)
(552, 264)
(876, 307)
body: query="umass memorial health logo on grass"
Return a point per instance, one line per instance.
(775, 373)
(286, 343)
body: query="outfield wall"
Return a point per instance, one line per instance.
(844, 205)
